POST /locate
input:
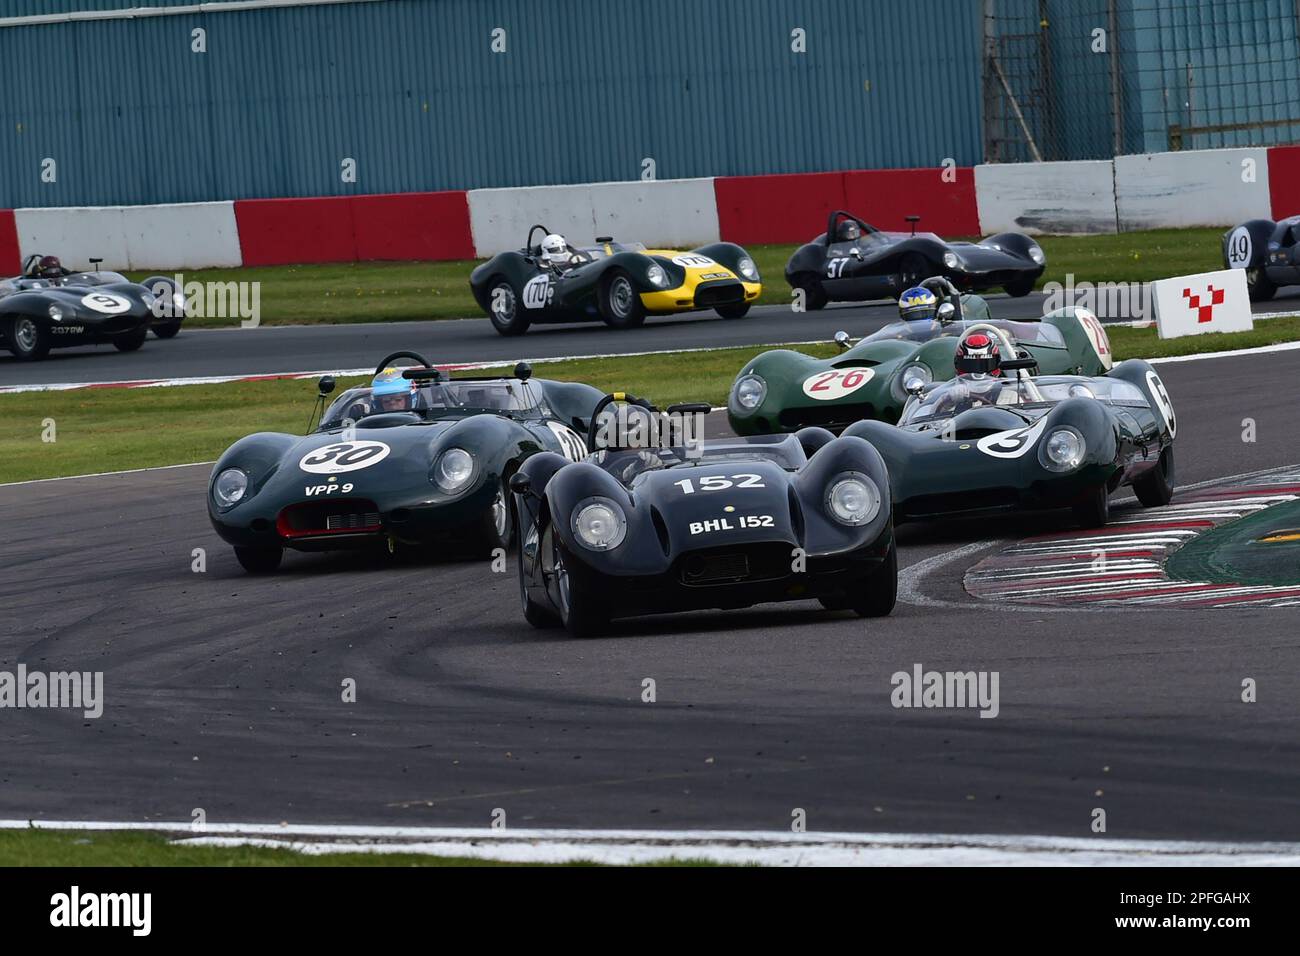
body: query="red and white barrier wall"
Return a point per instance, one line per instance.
(1195, 188)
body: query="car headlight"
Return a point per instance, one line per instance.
(950, 260)
(748, 269)
(148, 298)
(1063, 450)
(230, 487)
(178, 303)
(750, 392)
(453, 469)
(1036, 253)
(56, 313)
(657, 276)
(599, 524)
(853, 499)
(910, 378)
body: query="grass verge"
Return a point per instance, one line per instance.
(408, 291)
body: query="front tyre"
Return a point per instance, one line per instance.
(874, 595)
(496, 527)
(619, 304)
(504, 310)
(1156, 487)
(539, 616)
(1259, 286)
(131, 341)
(733, 311)
(1020, 288)
(27, 339)
(167, 330)
(259, 560)
(1093, 510)
(581, 613)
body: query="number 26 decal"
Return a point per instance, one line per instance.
(836, 383)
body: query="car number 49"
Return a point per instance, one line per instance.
(720, 483)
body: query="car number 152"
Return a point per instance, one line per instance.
(720, 483)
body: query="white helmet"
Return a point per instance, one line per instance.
(555, 249)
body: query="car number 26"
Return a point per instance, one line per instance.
(719, 483)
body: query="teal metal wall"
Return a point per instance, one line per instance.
(412, 91)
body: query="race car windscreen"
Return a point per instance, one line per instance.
(1031, 333)
(436, 398)
(956, 396)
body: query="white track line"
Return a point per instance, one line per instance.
(773, 848)
(104, 474)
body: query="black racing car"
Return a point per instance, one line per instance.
(1029, 442)
(432, 474)
(853, 260)
(50, 307)
(1268, 251)
(614, 282)
(724, 523)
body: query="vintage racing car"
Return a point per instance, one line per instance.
(619, 283)
(985, 444)
(431, 472)
(49, 307)
(1268, 251)
(727, 524)
(853, 260)
(783, 390)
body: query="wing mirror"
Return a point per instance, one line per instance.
(842, 340)
(325, 384)
(521, 484)
(947, 313)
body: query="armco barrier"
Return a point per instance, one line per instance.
(183, 236)
(407, 226)
(1070, 197)
(1208, 187)
(668, 212)
(794, 207)
(10, 258)
(1284, 181)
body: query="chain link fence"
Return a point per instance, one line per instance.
(1091, 79)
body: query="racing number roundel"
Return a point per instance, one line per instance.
(836, 383)
(1097, 337)
(1163, 404)
(343, 456)
(572, 445)
(106, 303)
(1012, 443)
(693, 260)
(1240, 248)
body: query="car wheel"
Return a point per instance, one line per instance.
(580, 612)
(1259, 286)
(1093, 510)
(503, 309)
(874, 595)
(167, 330)
(911, 271)
(814, 296)
(1019, 288)
(1156, 487)
(259, 560)
(27, 340)
(535, 614)
(131, 342)
(620, 306)
(733, 311)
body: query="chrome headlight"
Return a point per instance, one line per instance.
(853, 499)
(950, 260)
(56, 313)
(750, 392)
(748, 269)
(178, 303)
(148, 298)
(453, 469)
(599, 524)
(1063, 450)
(230, 487)
(657, 276)
(1036, 253)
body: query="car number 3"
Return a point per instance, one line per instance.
(720, 483)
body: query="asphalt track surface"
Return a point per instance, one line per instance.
(268, 350)
(223, 691)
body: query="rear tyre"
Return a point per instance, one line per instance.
(27, 339)
(504, 311)
(733, 311)
(911, 271)
(619, 304)
(1156, 487)
(1019, 288)
(814, 296)
(259, 560)
(1093, 511)
(1259, 286)
(131, 342)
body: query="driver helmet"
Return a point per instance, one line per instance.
(46, 267)
(848, 231)
(917, 304)
(555, 249)
(977, 356)
(391, 392)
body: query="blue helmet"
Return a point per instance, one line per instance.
(917, 303)
(388, 384)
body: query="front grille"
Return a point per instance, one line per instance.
(699, 569)
(834, 417)
(760, 562)
(719, 293)
(342, 516)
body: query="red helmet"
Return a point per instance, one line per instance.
(978, 354)
(50, 267)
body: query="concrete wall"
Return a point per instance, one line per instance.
(1076, 197)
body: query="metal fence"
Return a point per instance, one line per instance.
(1089, 79)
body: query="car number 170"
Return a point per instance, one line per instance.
(720, 483)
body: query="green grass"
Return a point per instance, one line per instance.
(35, 847)
(402, 291)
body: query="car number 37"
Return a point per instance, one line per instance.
(719, 483)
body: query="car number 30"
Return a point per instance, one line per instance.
(720, 483)
(344, 456)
